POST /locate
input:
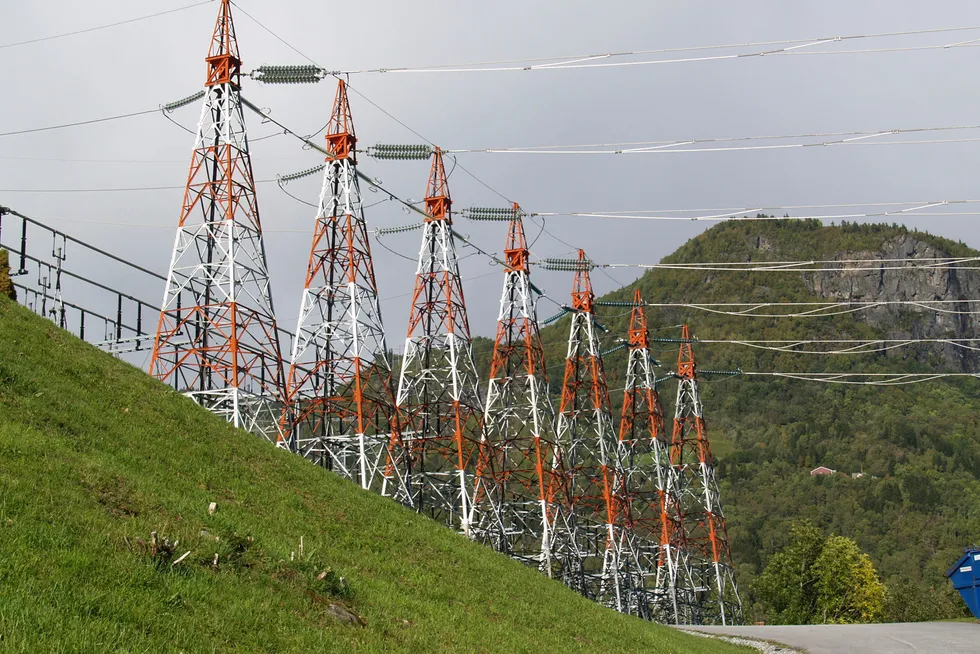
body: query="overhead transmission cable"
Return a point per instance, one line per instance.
(828, 265)
(323, 72)
(767, 212)
(851, 346)
(680, 145)
(79, 123)
(862, 379)
(836, 377)
(103, 27)
(806, 309)
(586, 61)
(123, 189)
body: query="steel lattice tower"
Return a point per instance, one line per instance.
(608, 568)
(712, 587)
(224, 350)
(339, 398)
(438, 396)
(515, 512)
(643, 451)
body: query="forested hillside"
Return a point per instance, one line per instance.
(918, 503)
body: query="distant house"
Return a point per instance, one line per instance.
(822, 471)
(857, 475)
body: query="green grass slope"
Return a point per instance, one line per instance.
(95, 455)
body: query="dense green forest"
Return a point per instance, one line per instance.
(918, 503)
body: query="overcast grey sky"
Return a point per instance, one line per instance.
(143, 65)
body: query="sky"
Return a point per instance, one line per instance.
(144, 64)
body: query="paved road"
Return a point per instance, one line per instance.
(917, 637)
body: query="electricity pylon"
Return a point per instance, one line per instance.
(223, 350)
(514, 511)
(608, 571)
(643, 451)
(438, 396)
(712, 589)
(339, 400)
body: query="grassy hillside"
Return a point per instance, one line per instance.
(920, 442)
(95, 456)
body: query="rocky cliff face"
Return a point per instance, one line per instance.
(954, 287)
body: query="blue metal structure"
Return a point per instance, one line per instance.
(965, 575)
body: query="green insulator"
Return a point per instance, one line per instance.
(301, 174)
(555, 317)
(567, 265)
(400, 152)
(491, 214)
(173, 106)
(399, 230)
(307, 74)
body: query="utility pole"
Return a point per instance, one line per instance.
(223, 350)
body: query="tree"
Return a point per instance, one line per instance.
(847, 585)
(787, 587)
(906, 602)
(6, 285)
(817, 579)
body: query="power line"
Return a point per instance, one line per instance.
(728, 211)
(885, 209)
(788, 47)
(801, 266)
(862, 379)
(754, 264)
(867, 303)
(126, 189)
(817, 310)
(112, 223)
(382, 110)
(751, 148)
(813, 265)
(102, 27)
(79, 123)
(745, 218)
(94, 121)
(854, 346)
(95, 161)
(679, 146)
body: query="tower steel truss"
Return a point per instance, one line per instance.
(339, 389)
(438, 396)
(607, 569)
(515, 512)
(712, 588)
(223, 351)
(643, 452)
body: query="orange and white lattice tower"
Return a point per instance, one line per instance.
(516, 511)
(222, 348)
(339, 389)
(643, 451)
(712, 589)
(609, 571)
(438, 399)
